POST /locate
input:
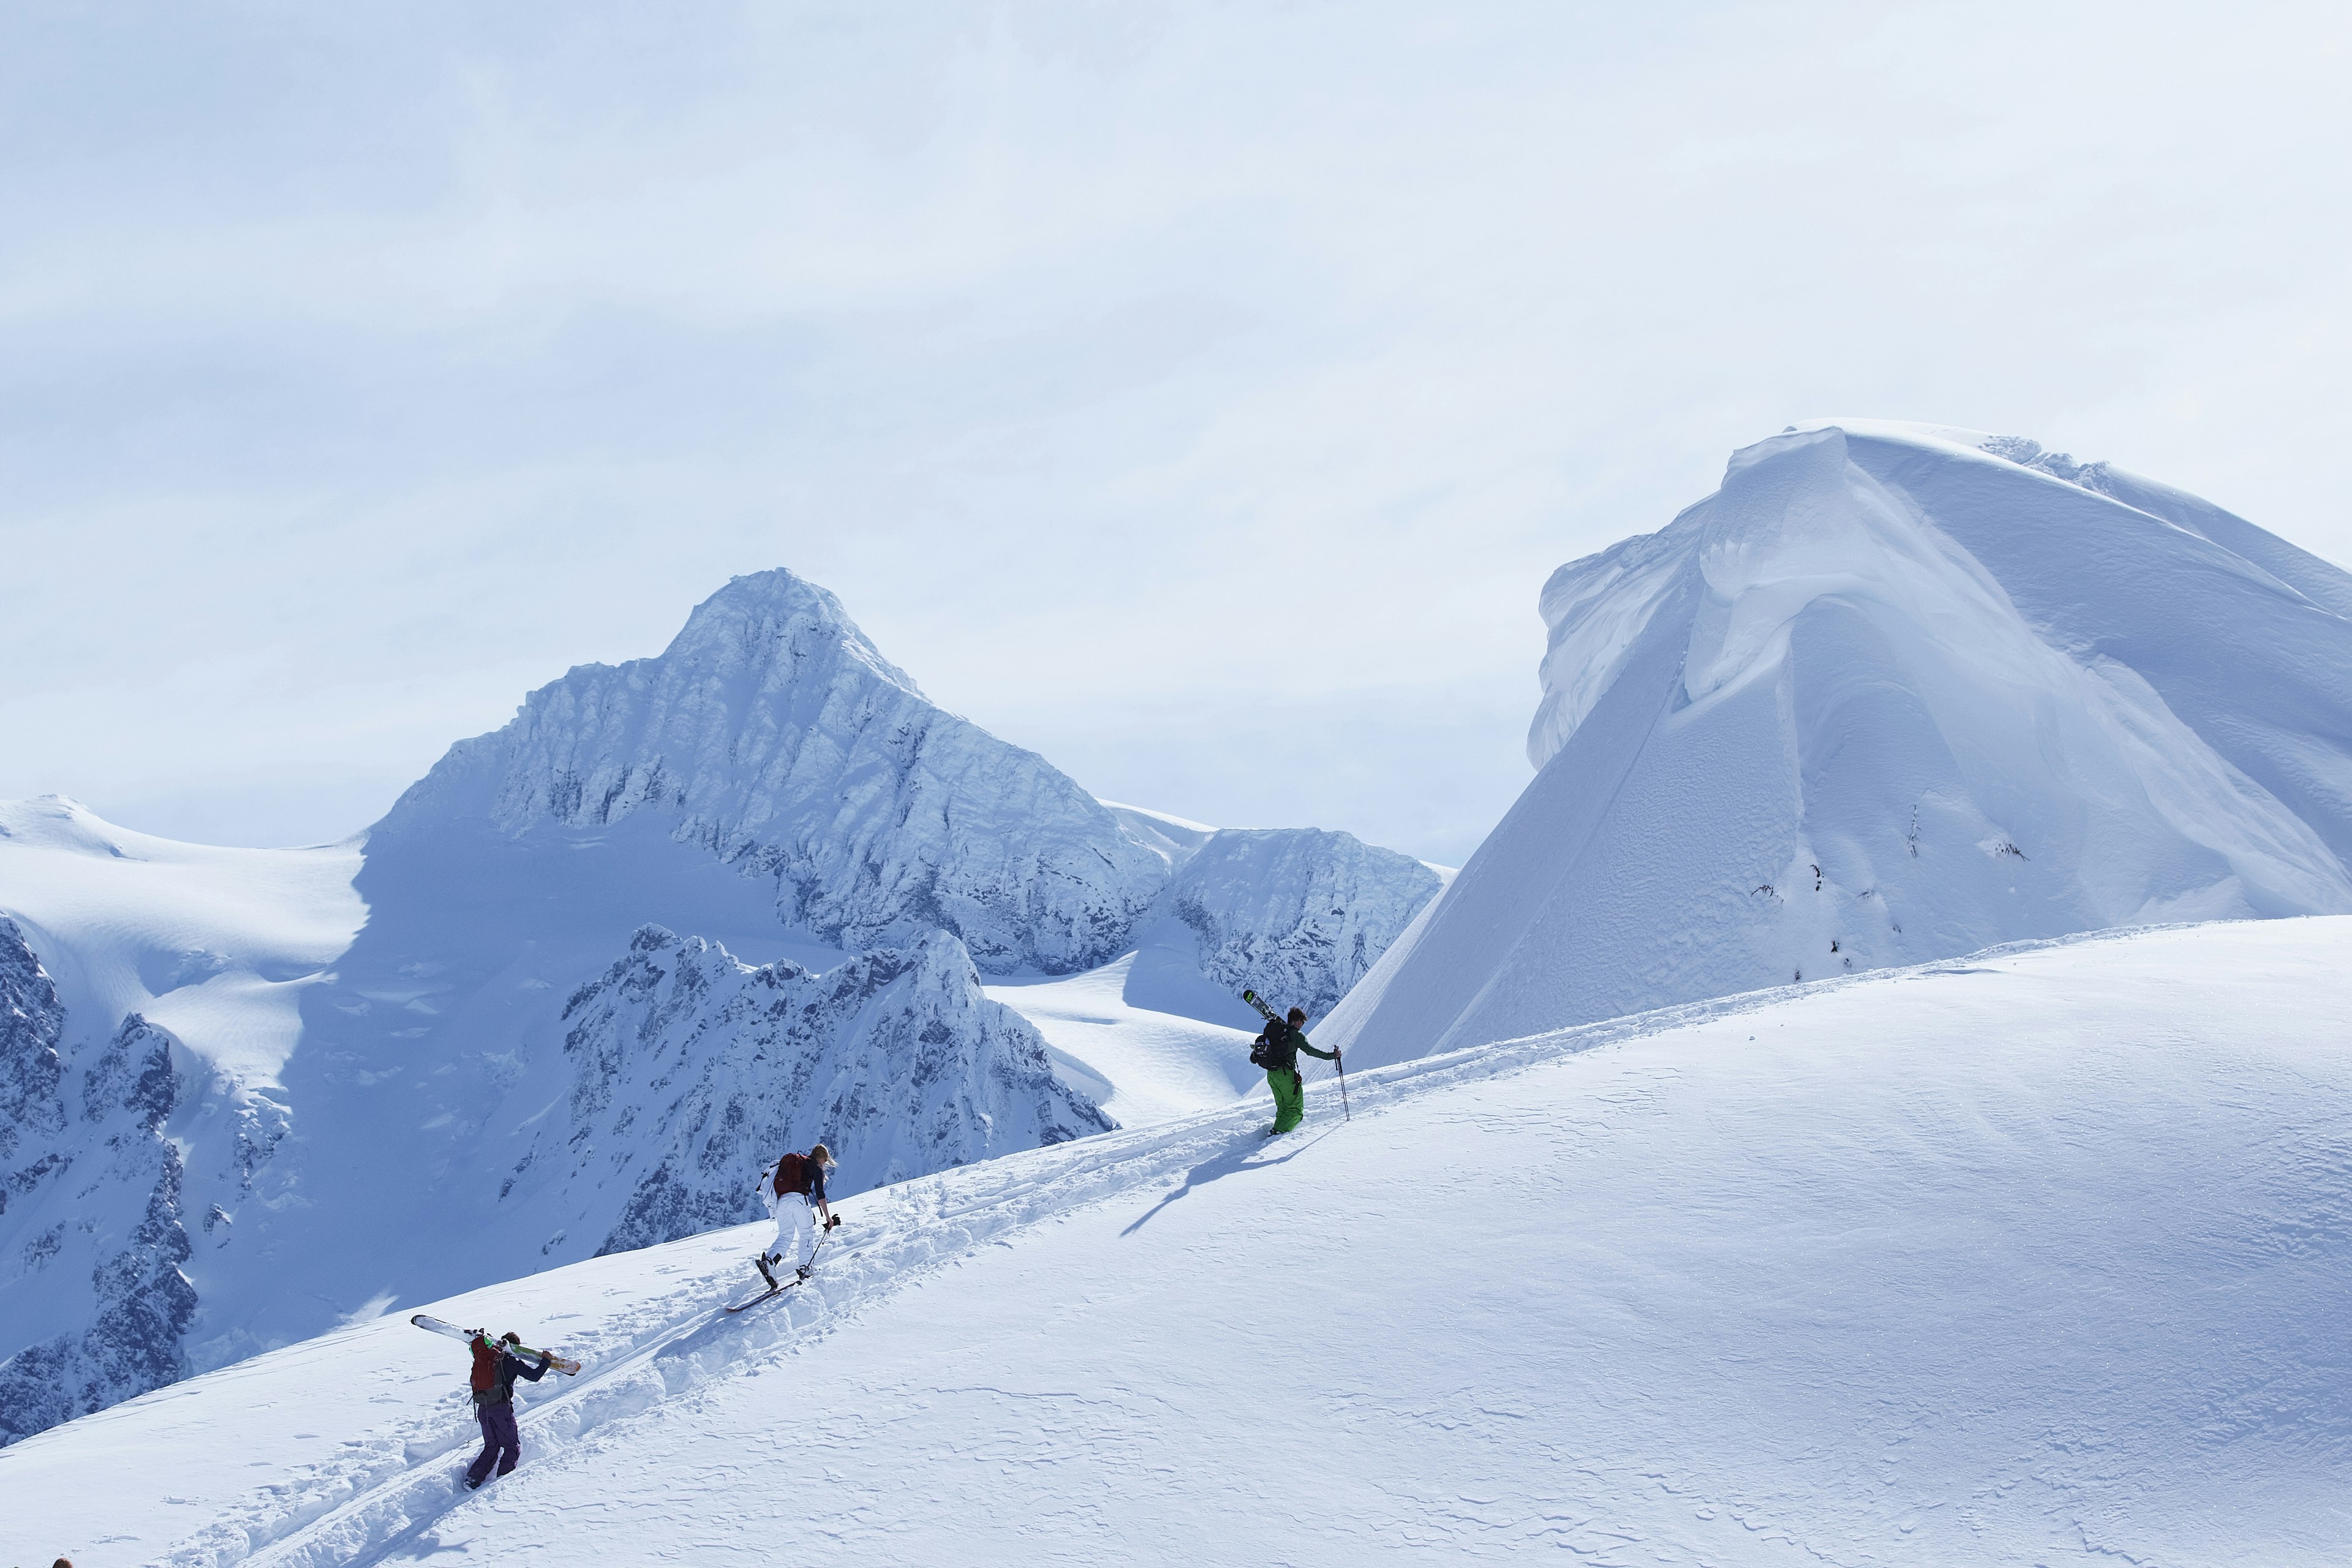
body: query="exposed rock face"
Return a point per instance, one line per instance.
(32, 1022)
(101, 1192)
(1297, 913)
(773, 734)
(691, 1072)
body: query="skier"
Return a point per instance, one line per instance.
(496, 1367)
(792, 1187)
(1276, 1049)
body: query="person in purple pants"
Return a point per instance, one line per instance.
(496, 1367)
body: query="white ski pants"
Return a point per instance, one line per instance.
(796, 1230)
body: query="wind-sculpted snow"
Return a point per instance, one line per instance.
(775, 736)
(691, 1072)
(1298, 914)
(94, 1194)
(1891, 694)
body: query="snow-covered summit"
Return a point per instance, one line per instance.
(775, 736)
(1891, 693)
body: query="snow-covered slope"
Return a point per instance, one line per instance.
(1892, 693)
(1295, 913)
(773, 734)
(2036, 1258)
(216, 945)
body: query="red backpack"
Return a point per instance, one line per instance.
(486, 1366)
(792, 1175)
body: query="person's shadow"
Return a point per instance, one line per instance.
(1239, 1158)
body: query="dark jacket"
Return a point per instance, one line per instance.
(502, 1381)
(1283, 1045)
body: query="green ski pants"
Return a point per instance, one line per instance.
(1289, 1097)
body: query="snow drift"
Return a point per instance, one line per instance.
(1892, 693)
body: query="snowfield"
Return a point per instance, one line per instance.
(2039, 1256)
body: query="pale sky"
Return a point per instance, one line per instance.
(1197, 394)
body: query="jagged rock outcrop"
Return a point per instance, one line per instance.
(775, 736)
(32, 1022)
(102, 1195)
(690, 1072)
(1297, 913)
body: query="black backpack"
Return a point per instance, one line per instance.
(1262, 1050)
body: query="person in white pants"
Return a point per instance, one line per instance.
(794, 1190)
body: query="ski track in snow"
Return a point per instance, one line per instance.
(363, 1510)
(664, 1367)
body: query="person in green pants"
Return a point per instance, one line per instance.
(1284, 1041)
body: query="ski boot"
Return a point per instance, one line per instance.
(761, 1263)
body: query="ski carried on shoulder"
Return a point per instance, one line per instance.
(562, 1364)
(1271, 1016)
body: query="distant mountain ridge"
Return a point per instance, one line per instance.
(1892, 693)
(519, 999)
(775, 736)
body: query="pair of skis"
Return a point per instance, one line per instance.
(562, 1364)
(782, 1285)
(1270, 1016)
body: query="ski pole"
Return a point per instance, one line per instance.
(1340, 1061)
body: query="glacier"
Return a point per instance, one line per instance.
(1892, 693)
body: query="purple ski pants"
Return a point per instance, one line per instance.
(501, 1443)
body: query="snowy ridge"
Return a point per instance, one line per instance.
(1889, 696)
(690, 1072)
(1780, 1208)
(773, 734)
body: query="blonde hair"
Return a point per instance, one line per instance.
(822, 1154)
